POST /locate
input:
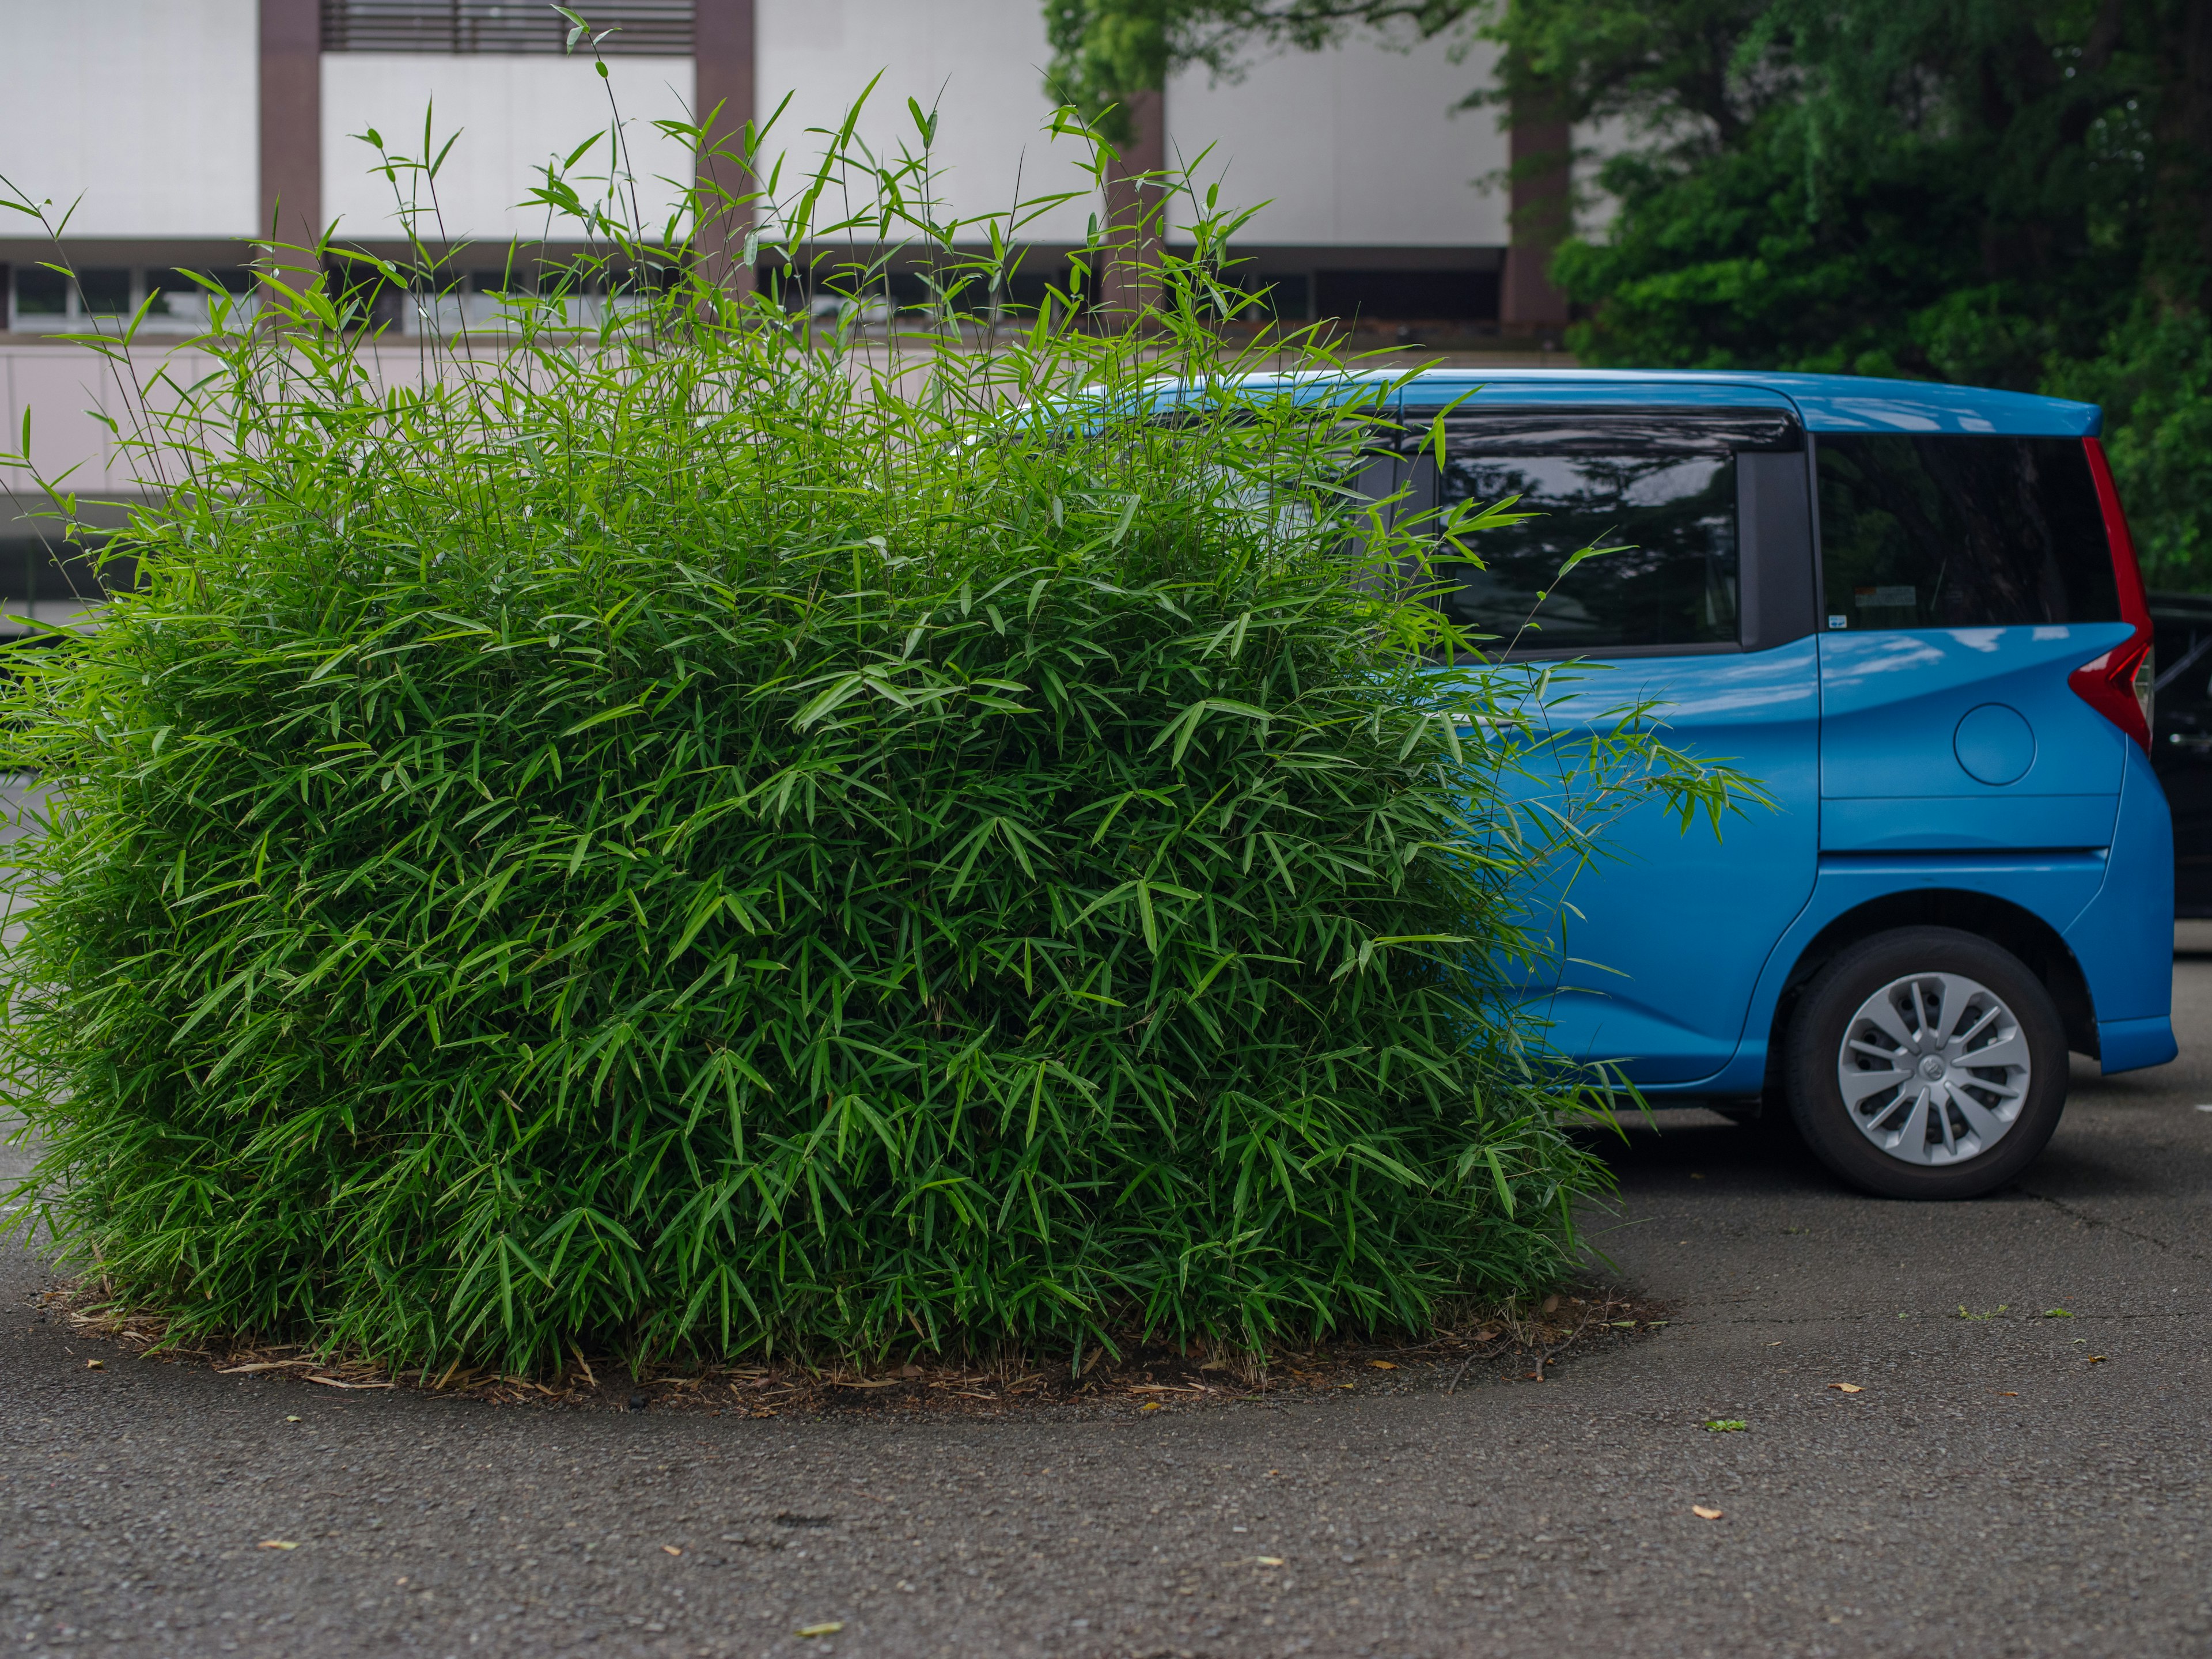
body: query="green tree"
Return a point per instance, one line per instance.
(1106, 54)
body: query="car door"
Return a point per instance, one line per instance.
(1652, 949)
(1966, 577)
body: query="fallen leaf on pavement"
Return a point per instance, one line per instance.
(670, 1549)
(1847, 1388)
(2057, 1313)
(2007, 1394)
(1725, 1424)
(279, 1544)
(2096, 1359)
(1704, 1514)
(95, 1364)
(291, 1420)
(1373, 1364)
(1268, 1561)
(827, 1628)
(1150, 1405)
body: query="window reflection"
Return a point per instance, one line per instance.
(1671, 582)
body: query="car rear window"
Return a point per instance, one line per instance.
(1659, 485)
(1944, 530)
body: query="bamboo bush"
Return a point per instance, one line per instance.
(689, 829)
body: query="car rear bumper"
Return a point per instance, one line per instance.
(2123, 938)
(2127, 1045)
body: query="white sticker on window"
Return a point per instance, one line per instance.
(1839, 622)
(1868, 599)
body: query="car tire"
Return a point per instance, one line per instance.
(1882, 1074)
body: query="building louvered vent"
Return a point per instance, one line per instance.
(641, 27)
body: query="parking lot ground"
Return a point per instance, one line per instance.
(2004, 1481)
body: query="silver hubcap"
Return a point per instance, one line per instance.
(1934, 1068)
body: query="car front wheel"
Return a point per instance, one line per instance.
(1926, 1063)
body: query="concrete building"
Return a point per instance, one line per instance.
(174, 134)
(176, 131)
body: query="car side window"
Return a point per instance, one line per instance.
(1657, 486)
(1672, 580)
(1958, 530)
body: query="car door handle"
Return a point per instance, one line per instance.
(2190, 739)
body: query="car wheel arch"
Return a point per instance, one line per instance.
(2010, 927)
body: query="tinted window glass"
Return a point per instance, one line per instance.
(105, 290)
(1953, 531)
(1672, 514)
(40, 293)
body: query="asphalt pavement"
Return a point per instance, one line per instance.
(2002, 1483)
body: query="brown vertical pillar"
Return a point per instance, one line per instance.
(1541, 158)
(1130, 280)
(725, 74)
(291, 121)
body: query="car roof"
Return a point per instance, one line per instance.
(1826, 402)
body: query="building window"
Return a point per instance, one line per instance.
(182, 303)
(1468, 296)
(643, 28)
(43, 579)
(106, 297)
(40, 294)
(104, 290)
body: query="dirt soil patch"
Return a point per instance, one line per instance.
(1516, 1341)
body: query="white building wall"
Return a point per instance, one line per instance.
(980, 63)
(1360, 146)
(513, 115)
(1357, 146)
(145, 109)
(67, 392)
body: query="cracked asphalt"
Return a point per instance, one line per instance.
(2003, 1484)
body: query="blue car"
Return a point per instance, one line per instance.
(1912, 612)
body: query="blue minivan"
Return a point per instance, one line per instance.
(1913, 613)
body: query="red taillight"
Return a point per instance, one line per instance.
(2118, 684)
(2109, 686)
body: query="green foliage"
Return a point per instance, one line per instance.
(1104, 51)
(2154, 378)
(1927, 188)
(1736, 274)
(689, 832)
